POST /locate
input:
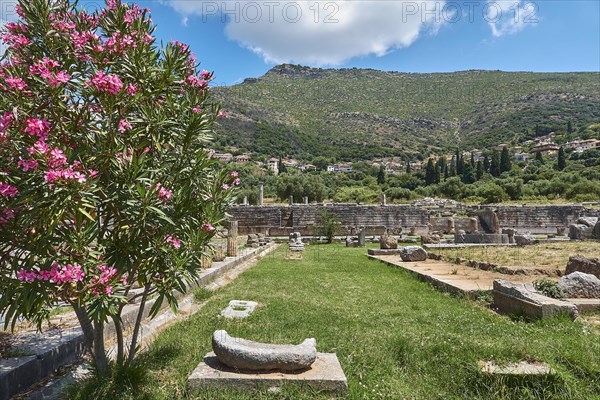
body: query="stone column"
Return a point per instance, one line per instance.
(245, 203)
(306, 200)
(383, 199)
(261, 192)
(362, 237)
(232, 233)
(291, 200)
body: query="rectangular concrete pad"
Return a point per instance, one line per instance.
(325, 374)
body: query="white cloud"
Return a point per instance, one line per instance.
(506, 17)
(320, 33)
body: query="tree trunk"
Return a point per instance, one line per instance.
(100, 357)
(138, 323)
(93, 335)
(120, 341)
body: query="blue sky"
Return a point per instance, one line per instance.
(407, 36)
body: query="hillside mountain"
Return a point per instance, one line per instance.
(354, 114)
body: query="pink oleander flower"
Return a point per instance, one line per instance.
(208, 228)
(8, 190)
(26, 276)
(57, 158)
(222, 115)
(15, 41)
(5, 121)
(106, 83)
(26, 165)
(225, 186)
(197, 82)
(38, 127)
(58, 78)
(6, 215)
(113, 4)
(163, 193)
(173, 241)
(16, 83)
(106, 274)
(132, 89)
(39, 147)
(236, 182)
(124, 125)
(234, 174)
(197, 110)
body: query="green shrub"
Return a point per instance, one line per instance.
(549, 288)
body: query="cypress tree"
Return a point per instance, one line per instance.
(505, 164)
(430, 173)
(408, 169)
(495, 164)
(472, 160)
(561, 161)
(460, 165)
(437, 172)
(453, 167)
(479, 170)
(381, 175)
(486, 163)
(539, 158)
(569, 127)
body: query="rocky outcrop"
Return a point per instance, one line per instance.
(583, 264)
(413, 253)
(580, 285)
(244, 354)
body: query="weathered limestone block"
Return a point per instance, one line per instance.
(451, 228)
(580, 232)
(253, 356)
(473, 225)
(518, 298)
(432, 238)
(588, 221)
(219, 253)
(252, 240)
(583, 264)
(596, 231)
(524, 239)
(511, 234)
(295, 242)
(580, 285)
(413, 253)
(239, 309)
(388, 242)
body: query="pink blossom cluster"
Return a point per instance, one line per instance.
(65, 175)
(127, 156)
(62, 23)
(109, 83)
(45, 68)
(69, 273)
(197, 110)
(16, 84)
(173, 241)
(132, 14)
(6, 214)
(164, 194)
(222, 115)
(82, 39)
(5, 120)
(197, 82)
(8, 190)
(124, 126)
(117, 43)
(16, 41)
(27, 165)
(101, 283)
(38, 127)
(208, 228)
(132, 89)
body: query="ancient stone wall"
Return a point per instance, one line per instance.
(280, 221)
(283, 220)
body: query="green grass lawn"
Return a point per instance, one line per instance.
(396, 337)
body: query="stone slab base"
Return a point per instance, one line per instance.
(325, 374)
(383, 252)
(521, 299)
(518, 369)
(586, 305)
